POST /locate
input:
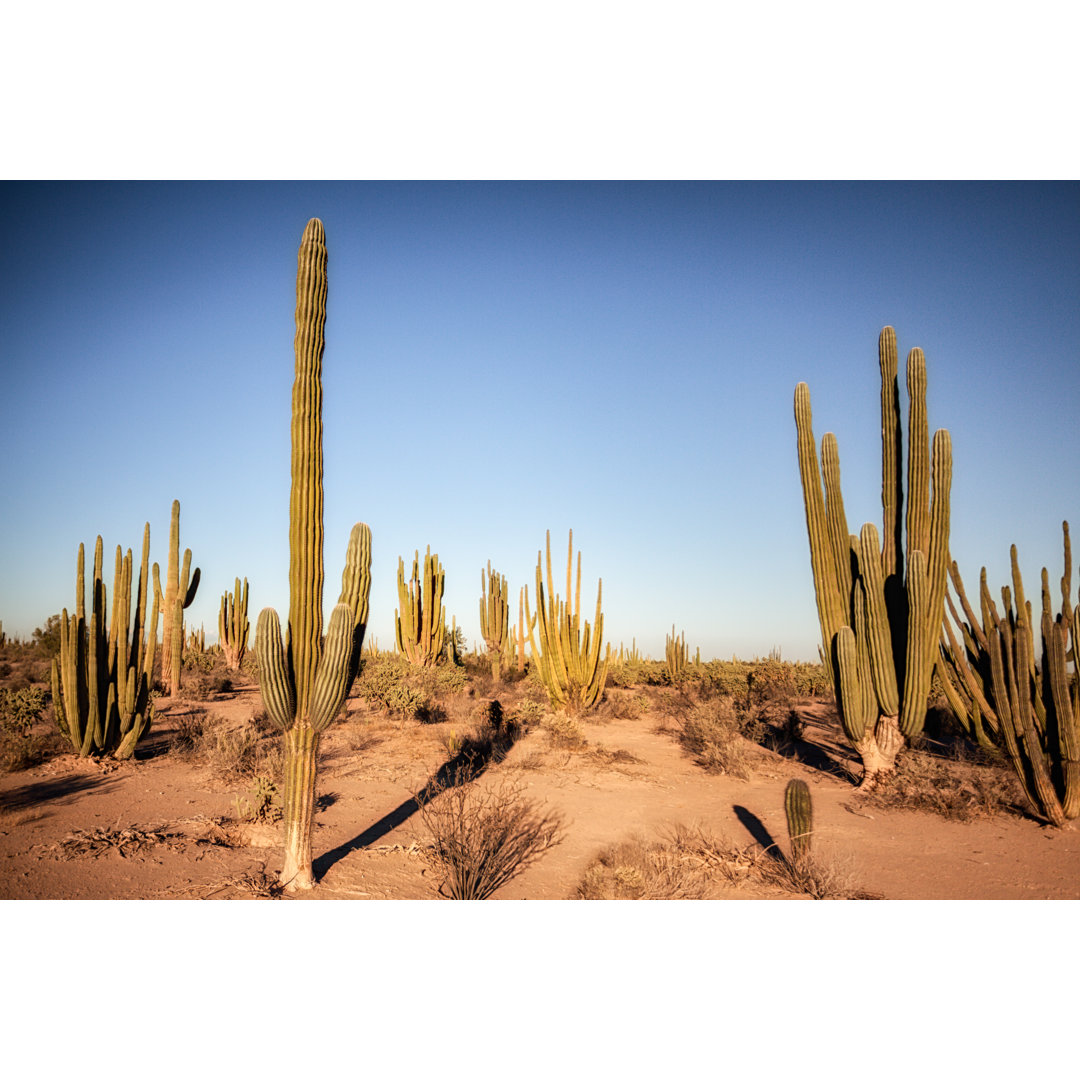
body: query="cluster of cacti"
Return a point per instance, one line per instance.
(992, 679)
(180, 588)
(675, 653)
(305, 680)
(420, 621)
(800, 820)
(495, 619)
(101, 680)
(880, 608)
(233, 625)
(568, 658)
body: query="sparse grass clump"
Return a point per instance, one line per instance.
(485, 837)
(233, 753)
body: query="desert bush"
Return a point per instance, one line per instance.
(955, 790)
(408, 691)
(262, 804)
(19, 709)
(711, 731)
(564, 733)
(484, 838)
(232, 753)
(196, 660)
(46, 639)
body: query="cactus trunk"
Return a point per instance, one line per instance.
(180, 588)
(301, 760)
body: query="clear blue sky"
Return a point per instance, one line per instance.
(502, 359)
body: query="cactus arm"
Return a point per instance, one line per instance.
(334, 676)
(892, 494)
(275, 678)
(879, 636)
(798, 810)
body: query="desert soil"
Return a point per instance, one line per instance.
(166, 827)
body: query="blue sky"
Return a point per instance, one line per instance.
(504, 358)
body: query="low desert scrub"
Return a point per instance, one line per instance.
(565, 733)
(957, 790)
(262, 804)
(233, 753)
(485, 837)
(409, 692)
(713, 734)
(813, 874)
(683, 863)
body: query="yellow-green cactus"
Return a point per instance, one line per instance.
(101, 680)
(305, 680)
(420, 621)
(880, 608)
(495, 619)
(568, 657)
(179, 592)
(233, 625)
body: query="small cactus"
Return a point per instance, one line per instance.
(675, 651)
(800, 820)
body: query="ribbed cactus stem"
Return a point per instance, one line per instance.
(233, 627)
(420, 620)
(495, 618)
(179, 592)
(304, 683)
(800, 820)
(890, 602)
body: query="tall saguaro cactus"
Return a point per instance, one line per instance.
(180, 588)
(568, 658)
(233, 625)
(420, 621)
(304, 681)
(101, 679)
(880, 607)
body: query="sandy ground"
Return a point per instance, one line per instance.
(167, 827)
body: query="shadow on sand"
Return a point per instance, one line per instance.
(469, 763)
(48, 790)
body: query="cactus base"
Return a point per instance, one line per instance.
(301, 752)
(878, 750)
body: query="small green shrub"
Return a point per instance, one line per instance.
(19, 709)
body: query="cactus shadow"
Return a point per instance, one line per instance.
(462, 768)
(49, 790)
(756, 828)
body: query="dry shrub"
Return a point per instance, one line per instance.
(681, 864)
(485, 837)
(712, 733)
(821, 877)
(565, 733)
(955, 790)
(233, 753)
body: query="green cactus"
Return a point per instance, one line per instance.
(233, 625)
(992, 679)
(305, 680)
(675, 651)
(568, 659)
(101, 680)
(420, 622)
(800, 820)
(180, 588)
(495, 619)
(521, 635)
(880, 608)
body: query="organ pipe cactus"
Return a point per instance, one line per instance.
(1034, 709)
(568, 657)
(675, 652)
(420, 621)
(180, 588)
(521, 635)
(800, 820)
(305, 679)
(101, 680)
(233, 625)
(880, 606)
(495, 618)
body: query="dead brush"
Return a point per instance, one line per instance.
(683, 863)
(956, 790)
(484, 837)
(710, 731)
